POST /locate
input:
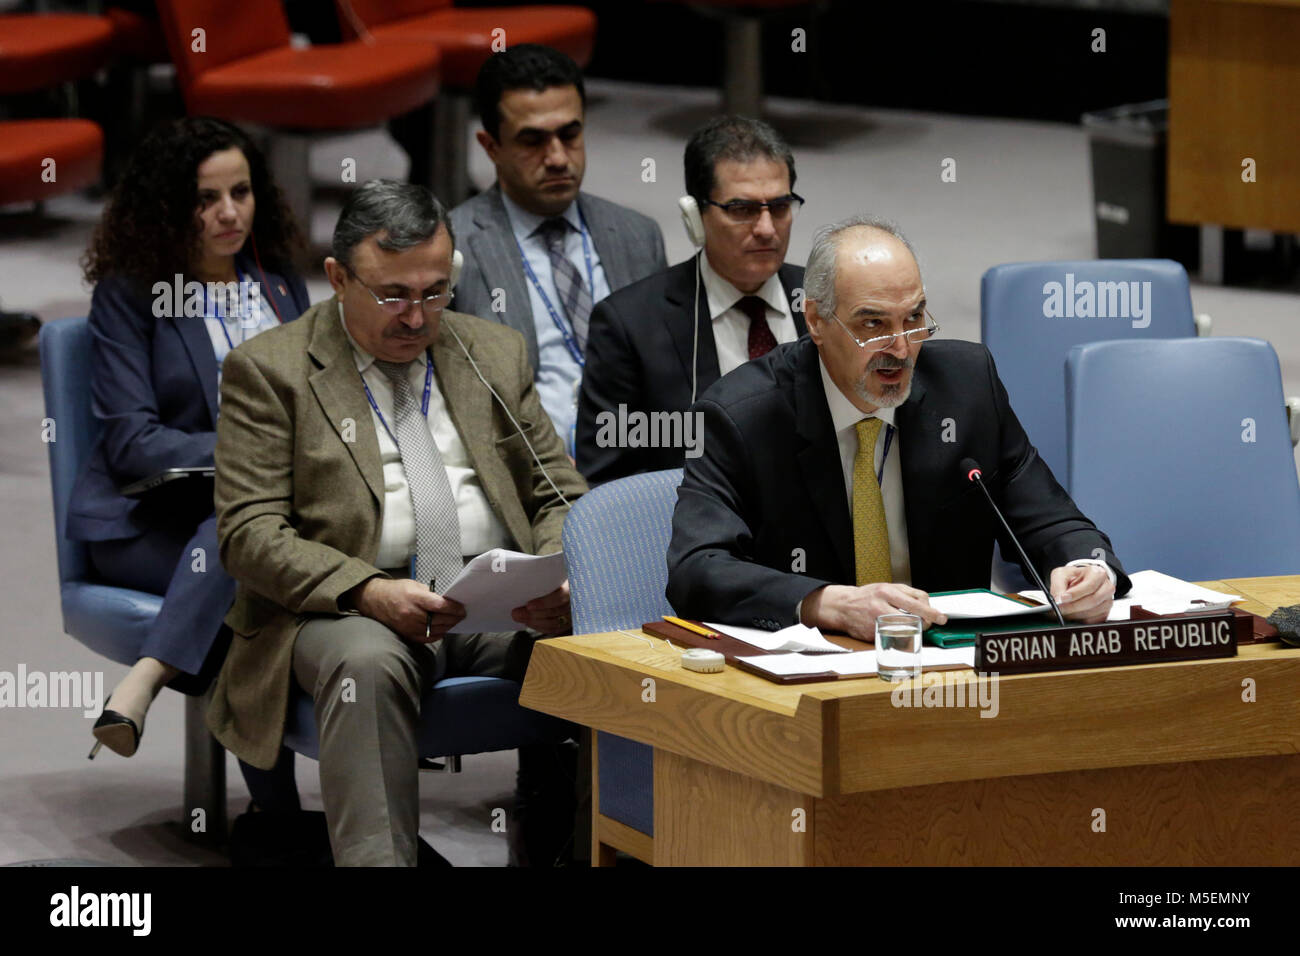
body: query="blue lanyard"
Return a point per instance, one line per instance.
(424, 402)
(207, 314)
(889, 438)
(569, 341)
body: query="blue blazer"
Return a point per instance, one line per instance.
(154, 390)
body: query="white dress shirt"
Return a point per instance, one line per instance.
(558, 373)
(480, 528)
(731, 326)
(236, 327)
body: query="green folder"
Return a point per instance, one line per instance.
(962, 633)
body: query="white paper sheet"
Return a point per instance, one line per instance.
(960, 607)
(788, 665)
(796, 637)
(854, 662)
(1161, 594)
(498, 581)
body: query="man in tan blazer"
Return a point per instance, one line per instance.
(321, 528)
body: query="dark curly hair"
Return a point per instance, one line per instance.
(150, 228)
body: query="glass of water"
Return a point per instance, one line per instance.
(898, 646)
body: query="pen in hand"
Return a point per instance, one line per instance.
(428, 617)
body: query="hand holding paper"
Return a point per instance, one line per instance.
(495, 584)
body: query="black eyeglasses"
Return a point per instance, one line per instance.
(748, 210)
(398, 306)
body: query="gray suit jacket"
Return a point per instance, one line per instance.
(629, 244)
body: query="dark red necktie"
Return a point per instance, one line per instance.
(761, 339)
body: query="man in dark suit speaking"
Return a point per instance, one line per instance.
(830, 489)
(658, 344)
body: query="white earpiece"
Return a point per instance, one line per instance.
(457, 263)
(692, 220)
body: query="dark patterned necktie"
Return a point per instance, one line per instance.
(574, 295)
(437, 527)
(761, 338)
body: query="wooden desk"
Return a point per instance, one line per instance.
(1234, 81)
(1169, 757)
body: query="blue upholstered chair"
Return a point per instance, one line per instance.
(460, 715)
(1030, 345)
(1180, 451)
(616, 543)
(111, 621)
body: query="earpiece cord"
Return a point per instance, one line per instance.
(265, 285)
(506, 409)
(695, 353)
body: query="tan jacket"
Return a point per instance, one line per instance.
(299, 506)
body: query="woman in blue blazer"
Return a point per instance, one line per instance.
(194, 255)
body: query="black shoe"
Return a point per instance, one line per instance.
(116, 732)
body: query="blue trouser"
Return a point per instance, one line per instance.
(182, 565)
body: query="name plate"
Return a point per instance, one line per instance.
(1179, 637)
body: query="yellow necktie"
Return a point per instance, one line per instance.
(870, 534)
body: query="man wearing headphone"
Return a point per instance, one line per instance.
(655, 346)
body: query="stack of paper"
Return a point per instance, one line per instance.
(796, 637)
(854, 662)
(967, 605)
(1162, 594)
(498, 581)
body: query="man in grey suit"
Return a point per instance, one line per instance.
(539, 253)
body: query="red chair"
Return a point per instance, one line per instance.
(234, 61)
(465, 36)
(75, 147)
(137, 38)
(42, 50)
(39, 51)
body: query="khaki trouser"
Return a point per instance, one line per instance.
(369, 746)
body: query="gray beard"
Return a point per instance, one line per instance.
(891, 396)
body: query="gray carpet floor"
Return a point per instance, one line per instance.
(1022, 192)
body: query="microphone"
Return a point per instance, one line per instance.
(972, 469)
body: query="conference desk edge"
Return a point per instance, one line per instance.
(843, 737)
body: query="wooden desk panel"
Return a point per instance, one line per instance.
(1234, 82)
(751, 772)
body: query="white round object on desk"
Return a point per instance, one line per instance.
(702, 661)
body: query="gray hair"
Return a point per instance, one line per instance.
(819, 274)
(409, 215)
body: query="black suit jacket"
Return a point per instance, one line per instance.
(769, 488)
(640, 344)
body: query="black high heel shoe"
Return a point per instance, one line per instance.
(116, 732)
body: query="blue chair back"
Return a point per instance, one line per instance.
(616, 544)
(1180, 451)
(1030, 346)
(111, 621)
(65, 378)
